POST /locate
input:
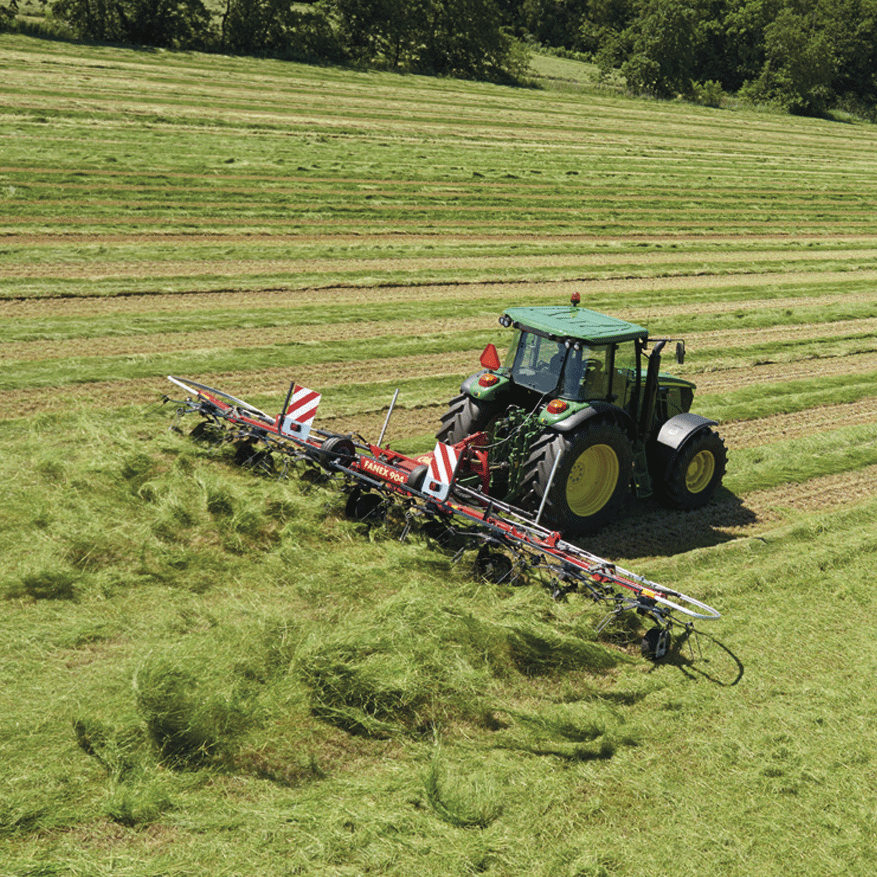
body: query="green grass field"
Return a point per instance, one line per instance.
(207, 672)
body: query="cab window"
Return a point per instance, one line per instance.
(538, 362)
(586, 375)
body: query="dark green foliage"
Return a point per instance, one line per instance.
(663, 52)
(372, 29)
(798, 67)
(169, 23)
(462, 38)
(8, 11)
(275, 28)
(802, 56)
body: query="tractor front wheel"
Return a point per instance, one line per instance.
(692, 474)
(591, 480)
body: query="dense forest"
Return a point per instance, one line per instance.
(806, 56)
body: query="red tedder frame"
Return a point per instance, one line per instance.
(509, 541)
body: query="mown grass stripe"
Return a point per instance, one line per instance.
(798, 460)
(298, 355)
(733, 335)
(253, 253)
(787, 397)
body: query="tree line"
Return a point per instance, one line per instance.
(462, 38)
(807, 56)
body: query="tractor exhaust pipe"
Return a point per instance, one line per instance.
(650, 391)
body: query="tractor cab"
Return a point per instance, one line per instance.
(577, 411)
(564, 359)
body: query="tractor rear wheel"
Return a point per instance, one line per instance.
(692, 474)
(590, 483)
(466, 416)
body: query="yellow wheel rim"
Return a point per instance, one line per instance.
(700, 472)
(592, 480)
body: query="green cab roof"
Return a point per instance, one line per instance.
(576, 323)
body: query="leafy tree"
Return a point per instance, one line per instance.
(171, 23)
(276, 28)
(7, 15)
(664, 41)
(446, 37)
(372, 29)
(799, 64)
(601, 28)
(554, 23)
(168, 23)
(512, 15)
(851, 27)
(246, 26)
(464, 38)
(714, 60)
(90, 19)
(743, 27)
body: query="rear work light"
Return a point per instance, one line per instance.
(488, 380)
(557, 406)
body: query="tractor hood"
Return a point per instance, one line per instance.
(575, 323)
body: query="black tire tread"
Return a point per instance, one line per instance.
(672, 487)
(537, 470)
(464, 417)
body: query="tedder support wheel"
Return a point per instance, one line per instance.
(590, 483)
(337, 450)
(655, 644)
(466, 416)
(208, 433)
(693, 473)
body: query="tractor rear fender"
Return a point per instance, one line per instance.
(595, 409)
(677, 429)
(471, 387)
(466, 386)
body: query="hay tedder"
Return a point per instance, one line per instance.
(450, 493)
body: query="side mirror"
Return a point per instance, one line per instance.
(490, 358)
(680, 352)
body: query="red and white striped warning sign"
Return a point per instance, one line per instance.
(300, 413)
(441, 471)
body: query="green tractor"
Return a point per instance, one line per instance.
(577, 414)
